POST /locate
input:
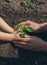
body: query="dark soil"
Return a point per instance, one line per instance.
(14, 12)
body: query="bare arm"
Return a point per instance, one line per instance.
(6, 36)
(43, 27)
(13, 37)
(43, 24)
(5, 26)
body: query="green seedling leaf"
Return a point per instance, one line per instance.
(23, 34)
(24, 30)
(20, 27)
(29, 29)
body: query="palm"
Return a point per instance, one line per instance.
(34, 25)
(17, 37)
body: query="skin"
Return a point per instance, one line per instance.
(12, 35)
(5, 26)
(35, 42)
(34, 25)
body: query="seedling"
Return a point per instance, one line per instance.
(24, 30)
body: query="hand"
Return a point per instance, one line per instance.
(17, 37)
(32, 24)
(34, 43)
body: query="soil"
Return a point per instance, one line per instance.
(14, 12)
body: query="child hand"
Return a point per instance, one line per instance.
(17, 37)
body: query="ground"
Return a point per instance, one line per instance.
(14, 12)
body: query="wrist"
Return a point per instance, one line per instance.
(43, 24)
(12, 31)
(14, 37)
(11, 38)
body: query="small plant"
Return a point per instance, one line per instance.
(29, 4)
(24, 30)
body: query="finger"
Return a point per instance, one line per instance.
(25, 23)
(25, 39)
(27, 36)
(20, 44)
(17, 32)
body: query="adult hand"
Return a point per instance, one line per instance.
(32, 24)
(34, 43)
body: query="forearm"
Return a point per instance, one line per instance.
(41, 29)
(5, 26)
(6, 36)
(43, 26)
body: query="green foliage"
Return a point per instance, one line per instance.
(23, 34)
(29, 29)
(20, 27)
(29, 4)
(24, 30)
